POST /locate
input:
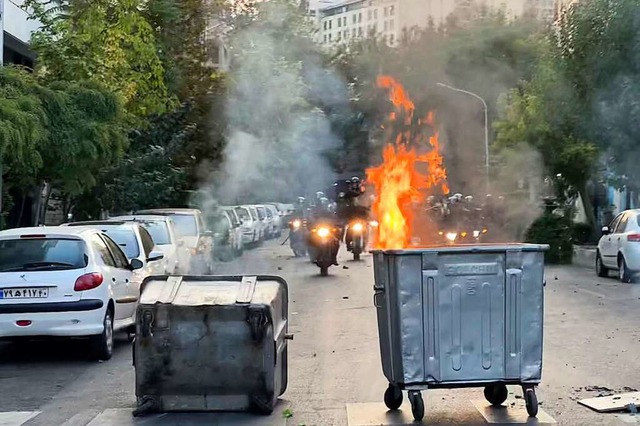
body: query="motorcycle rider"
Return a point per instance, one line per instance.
(322, 214)
(348, 209)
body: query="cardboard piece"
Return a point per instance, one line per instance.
(608, 404)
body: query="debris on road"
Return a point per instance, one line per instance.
(617, 402)
(345, 267)
(345, 297)
(287, 414)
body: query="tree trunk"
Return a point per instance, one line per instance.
(35, 219)
(45, 204)
(22, 204)
(588, 208)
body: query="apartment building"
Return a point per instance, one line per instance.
(15, 33)
(356, 19)
(543, 10)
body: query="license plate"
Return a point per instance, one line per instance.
(24, 293)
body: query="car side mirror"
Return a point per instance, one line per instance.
(606, 230)
(155, 255)
(136, 264)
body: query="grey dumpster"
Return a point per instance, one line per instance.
(460, 316)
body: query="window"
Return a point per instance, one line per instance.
(369, 15)
(339, 22)
(375, 13)
(269, 214)
(125, 238)
(622, 225)
(346, 35)
(147, 241)
(353, 33)
(330, 23)
(344, 21)
(355, 18)
(185, 225)
(118, 256)
(386, 11)
(159, 231)
(392, 10)
(102, 250)
(243, 213)
(325, 25)
(359, 31)
(392, 39)
(325, 38)
(375, 28)
(359, 17)
(338, 38)
(32, 254)
(614, 223)
(386, 26)
(392, 25)
(252, 211)
(233, 218)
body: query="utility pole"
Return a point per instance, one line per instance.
(486, 127)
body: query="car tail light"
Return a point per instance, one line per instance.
(634, 238)
(33, 236)
(88, 281)
(23, 323)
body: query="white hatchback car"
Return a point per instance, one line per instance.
(619, 246)
(162, 230)
(251, 229)
(65, 282)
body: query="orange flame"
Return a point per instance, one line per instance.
(398, 184)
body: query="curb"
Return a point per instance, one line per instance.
(584, 256)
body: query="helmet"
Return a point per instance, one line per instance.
(324, 201)
(301, 200)
(355, 180)
(319, 195)
(468, 199)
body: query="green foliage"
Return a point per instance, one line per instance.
(557, 232)
(110, 42)
(583, 234)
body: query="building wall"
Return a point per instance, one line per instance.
(17, 33)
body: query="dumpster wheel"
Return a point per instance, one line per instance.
(496, 394)
(417, 405)
(393, 397)
(531, 400)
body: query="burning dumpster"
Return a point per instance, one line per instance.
(460, 316)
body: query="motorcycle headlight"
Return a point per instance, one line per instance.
(476, 234)
(323, 232)
(485, 230)
(374, 223)
(358, 227)
(296, 224)
(463, 234)
(451, 236)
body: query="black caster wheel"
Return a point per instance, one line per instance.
(531, 400)
(393, 397)
(496, 394)
(417, 405)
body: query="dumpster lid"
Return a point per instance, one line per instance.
(469, 248)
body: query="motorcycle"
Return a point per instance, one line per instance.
(356, 238)
(323, 246)
(452, 237)
(298, 237)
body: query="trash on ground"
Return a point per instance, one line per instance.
(611, 403)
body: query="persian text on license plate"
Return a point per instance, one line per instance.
(24, 293)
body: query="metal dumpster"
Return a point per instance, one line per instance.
(460, 316)
(211, 343)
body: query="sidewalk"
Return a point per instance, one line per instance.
(584, 256)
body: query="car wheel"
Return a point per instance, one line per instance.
(624, 274)
(102, 344)
(601, 270)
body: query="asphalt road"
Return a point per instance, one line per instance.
(591, 339)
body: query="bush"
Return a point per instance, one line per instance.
(555, 231)
(583, 234)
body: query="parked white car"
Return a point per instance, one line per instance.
(264, 221)
(276, 222)
(66, 282)
(619, 246)
(191, 229)
(236, 230)
(162, 230)
(251, 229)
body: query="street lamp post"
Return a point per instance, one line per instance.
(486, 127)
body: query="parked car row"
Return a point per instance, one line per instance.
(83, 279)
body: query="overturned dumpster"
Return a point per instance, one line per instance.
(211, 343)
(460, 316)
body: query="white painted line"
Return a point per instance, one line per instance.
(511, 415)
(16, 418)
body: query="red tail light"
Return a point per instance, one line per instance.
(634, 238)
(88, 281)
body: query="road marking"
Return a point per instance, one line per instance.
(377, 414)
(511, 415)
(16, 418)
(123, 417)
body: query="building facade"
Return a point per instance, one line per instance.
(15, 31)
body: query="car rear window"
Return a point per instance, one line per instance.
(42, 254)
(243, 213)
(261, 213)
(159, 232)
(185, 225)
(126, 239)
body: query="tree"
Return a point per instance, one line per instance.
(109, 42)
